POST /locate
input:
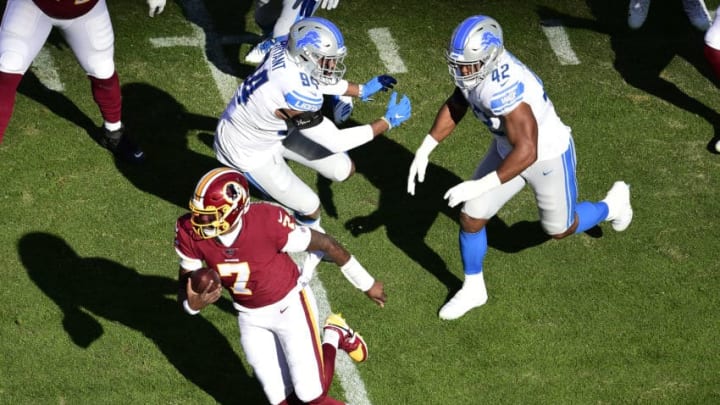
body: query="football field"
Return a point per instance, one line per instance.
(88, 312)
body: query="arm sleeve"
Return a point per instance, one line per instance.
(298, 240)
(336, 140)
(337, 89)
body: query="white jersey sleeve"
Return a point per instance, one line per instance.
(298, 239)
(249, 131)
(508, 85)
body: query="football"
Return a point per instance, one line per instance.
(201, 278)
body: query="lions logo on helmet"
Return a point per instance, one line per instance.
(475, 46)
(219, 201)
(318, 47)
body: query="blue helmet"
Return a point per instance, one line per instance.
(318, 47)
(474, 49)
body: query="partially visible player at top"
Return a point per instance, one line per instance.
(87, 28)
(281, 101)
(530, 146)
(248, 244)
(275, 17)
(712, 54)
(695, 10)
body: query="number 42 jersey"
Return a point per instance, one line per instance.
(249, 130)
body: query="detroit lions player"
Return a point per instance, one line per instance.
(284, 95)
(531, 145)
(275, 17)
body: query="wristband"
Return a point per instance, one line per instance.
(361, 89)
(186, 306)
(357, 275)
(489, 181)
(428, 144)
(387, 122)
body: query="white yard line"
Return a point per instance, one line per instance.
(44, 68)
(559, 42)
(388, 50)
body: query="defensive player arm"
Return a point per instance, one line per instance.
(522, 133)
(314, 126)
(449, 115)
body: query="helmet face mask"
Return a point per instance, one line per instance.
(474, 49)
(220, 200)
(317, 45)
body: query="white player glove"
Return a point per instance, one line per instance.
(420, 162)
(156, 7)
(329, 4)
(470, 189)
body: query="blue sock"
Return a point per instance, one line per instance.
(473, 247)
(590, 214)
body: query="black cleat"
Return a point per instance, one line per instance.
(121, 145)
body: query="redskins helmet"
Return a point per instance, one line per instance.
(318, 47)
(473, 51)
(220, 200)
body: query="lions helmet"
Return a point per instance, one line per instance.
(475, 46)
(318, 47)
(219, 201)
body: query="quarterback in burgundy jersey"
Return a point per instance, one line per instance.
(248, 245)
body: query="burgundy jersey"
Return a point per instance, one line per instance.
(253, 268)
(65, 9)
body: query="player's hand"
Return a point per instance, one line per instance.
(377, 83)
(420, 162)
(198, 301)
(156, 7)
(397, 112)
(329, 4)
(377, 293)
(471, 189)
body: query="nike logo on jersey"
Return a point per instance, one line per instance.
(546, 172)
(282, 311)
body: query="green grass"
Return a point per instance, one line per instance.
(88, 311)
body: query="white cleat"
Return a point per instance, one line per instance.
(637, 13)
(620, 212)
(698, 14)
(257, 54)
(472, 295)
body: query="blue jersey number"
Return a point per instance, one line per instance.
(308, 81)
(500, 73)
(251, 84)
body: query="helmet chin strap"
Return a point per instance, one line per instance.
(231, 234)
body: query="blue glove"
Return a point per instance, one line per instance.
(397, 113)
(377, 83)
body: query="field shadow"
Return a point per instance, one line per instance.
(58, 103)
(407, 219)
(161, 124)
(642, 55)
(225, 31)
(89, 288)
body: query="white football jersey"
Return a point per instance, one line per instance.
(248, 129)
(509, 84)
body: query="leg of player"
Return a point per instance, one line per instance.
(8, 89)
(698, 14)
(473, 247)
(637, 13)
